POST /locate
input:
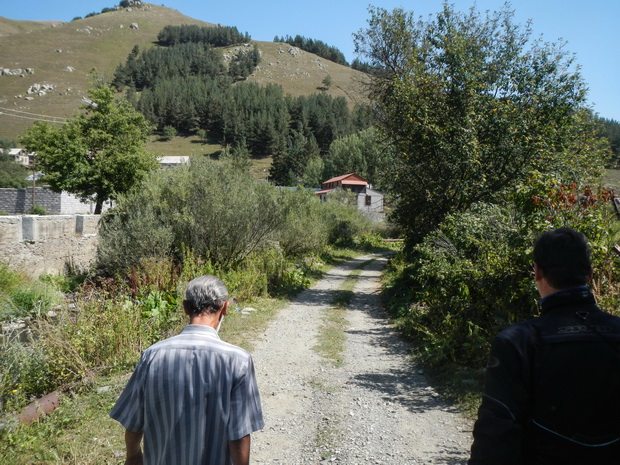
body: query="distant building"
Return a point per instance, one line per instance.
(170, 161)
(367, 199)
(20, 156)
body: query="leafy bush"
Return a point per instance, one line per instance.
(472, 276)
(222, 215)
(219, 213)
(38, 210)
(305, 228)
(64, 283)
(469, 278)
(35, 299)
(21, 297)
(168, 132)
(343, 218)
(23, 373)
(368, 241)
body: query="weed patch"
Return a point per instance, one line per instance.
(332, 338)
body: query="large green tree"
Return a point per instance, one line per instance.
(472, 104)
(12, 174)
(97, 155)
(364, 153)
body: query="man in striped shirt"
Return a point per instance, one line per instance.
(193, 398)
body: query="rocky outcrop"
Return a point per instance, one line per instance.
(15, 71)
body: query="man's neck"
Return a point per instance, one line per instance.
(544, 289)
(205, 319)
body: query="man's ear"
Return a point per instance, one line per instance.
(187, 308)
(538, 274)
(224, 308)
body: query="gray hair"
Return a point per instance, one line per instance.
(206, 294)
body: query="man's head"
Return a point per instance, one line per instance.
(562, 257)
(205, 294)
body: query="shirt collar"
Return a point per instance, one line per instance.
(201, 330)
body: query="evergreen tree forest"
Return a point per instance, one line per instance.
(317, 47)
(189, 86)
(218, 36)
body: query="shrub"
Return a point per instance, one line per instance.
(305, 228)
(343, 218)
(472, 276)
(168, 132)
(122, 239)
(469, 278)
(30, 299)
(23, 373)
(38, 210)
(219, 213)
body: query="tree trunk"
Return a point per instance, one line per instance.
(98, 206)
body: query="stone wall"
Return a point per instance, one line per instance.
(19, 201)
(39, 245)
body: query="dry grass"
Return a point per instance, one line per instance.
(302, 73)
(97, 42)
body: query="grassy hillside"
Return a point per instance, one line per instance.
(102, 42)
(302, 73)
(10, 26)
(63, 54)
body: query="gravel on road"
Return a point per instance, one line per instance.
(377, 408)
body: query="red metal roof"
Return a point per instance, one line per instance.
(356, 179)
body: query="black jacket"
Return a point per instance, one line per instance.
(552, 391)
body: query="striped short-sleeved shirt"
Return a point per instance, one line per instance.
(191, 394)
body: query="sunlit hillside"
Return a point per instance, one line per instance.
(62, 55)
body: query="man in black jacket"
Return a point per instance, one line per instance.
(552, 391)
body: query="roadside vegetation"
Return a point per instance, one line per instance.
(493, 144)
(266, 243)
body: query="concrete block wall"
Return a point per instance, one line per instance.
(39, 245)
(20, 200)
(70, 204)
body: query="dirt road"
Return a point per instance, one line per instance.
(375, 409)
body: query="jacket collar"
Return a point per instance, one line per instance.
(567, 297)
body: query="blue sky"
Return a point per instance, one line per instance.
(589, 27)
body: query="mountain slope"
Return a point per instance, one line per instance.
(62, 55)
(10, 26)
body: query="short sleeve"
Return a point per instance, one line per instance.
(129, 408)
(246, 414)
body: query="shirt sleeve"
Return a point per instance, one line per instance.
(498, 431)
(129, 408)
(246, 411)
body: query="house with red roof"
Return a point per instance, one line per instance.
(367, 199)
